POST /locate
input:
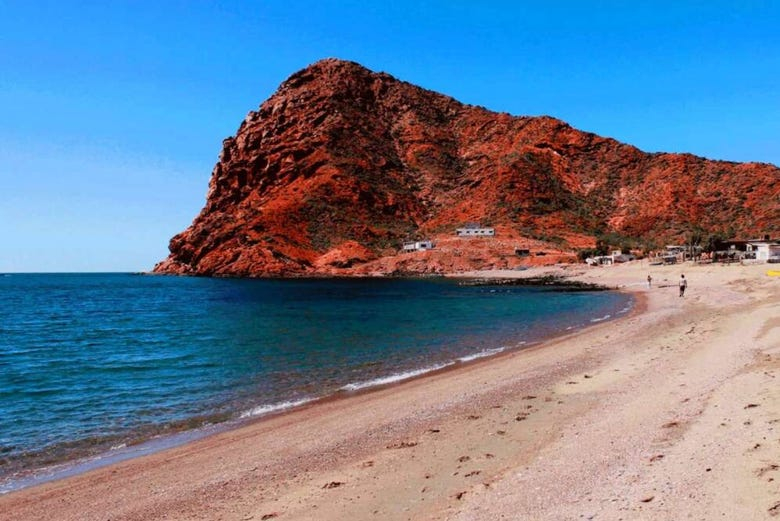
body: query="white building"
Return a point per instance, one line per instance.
(418, 246)
(764, 250)
(600, 260)
(608, 260)
(475, 231)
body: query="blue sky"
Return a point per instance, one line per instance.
(112, 114)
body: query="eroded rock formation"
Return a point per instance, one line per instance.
(341, 165)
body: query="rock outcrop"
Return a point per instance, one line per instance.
(341, 165)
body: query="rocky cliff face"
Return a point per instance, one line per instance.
(341, 165)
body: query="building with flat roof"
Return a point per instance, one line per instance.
(475, 230)
(418, 246)
(764, 249)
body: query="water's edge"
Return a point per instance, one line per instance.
(185, 432)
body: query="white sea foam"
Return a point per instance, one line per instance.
(482, 354)
(398, 377)
(262, 410)
(602, 319)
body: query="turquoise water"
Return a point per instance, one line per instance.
(94, 361)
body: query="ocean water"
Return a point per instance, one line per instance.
(91, 362)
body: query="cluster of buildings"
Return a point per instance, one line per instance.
(763, 250)
(615, 257)
(468, 230)
(760, 250)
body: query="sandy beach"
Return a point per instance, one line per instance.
(670, 413)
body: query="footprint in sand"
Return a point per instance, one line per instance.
(402, 445)
(768, 468)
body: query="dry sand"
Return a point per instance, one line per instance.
(671, 413)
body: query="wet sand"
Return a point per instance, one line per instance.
(670, 413)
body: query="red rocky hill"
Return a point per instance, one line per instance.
(341, 165)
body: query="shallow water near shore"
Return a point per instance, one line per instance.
(91, 362)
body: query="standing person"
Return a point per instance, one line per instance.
(683, 285)
(649, 281)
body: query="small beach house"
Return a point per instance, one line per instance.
(764, 250)
(600, 260)
(417, 246)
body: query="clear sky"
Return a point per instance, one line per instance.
(112, 113)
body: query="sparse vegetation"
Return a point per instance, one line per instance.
(368, 175)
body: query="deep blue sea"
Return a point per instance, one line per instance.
(94, 361)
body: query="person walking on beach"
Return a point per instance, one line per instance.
(683, 285)
(649, 281)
